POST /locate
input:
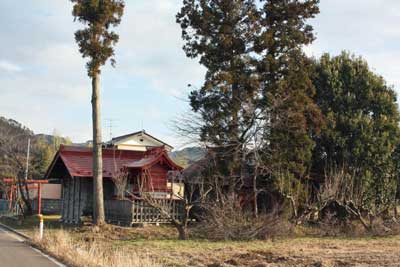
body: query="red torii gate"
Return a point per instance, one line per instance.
(32, 184)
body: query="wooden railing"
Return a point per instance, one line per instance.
(137, 211)
(145, 213)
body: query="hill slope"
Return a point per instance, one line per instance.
(188, 155)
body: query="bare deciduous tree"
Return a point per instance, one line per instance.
(13, 150)
(342, 191)
(120, 178)
(194, 195)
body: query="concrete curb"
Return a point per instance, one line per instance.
(16, 232)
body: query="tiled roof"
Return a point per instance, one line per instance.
(153, 158)
(79, 160)
(142, 162)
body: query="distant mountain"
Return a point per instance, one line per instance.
(188, 155)
(10, 127)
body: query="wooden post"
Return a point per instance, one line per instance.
(11, 198)
(76, 200)
(40, 226)
(39, 198)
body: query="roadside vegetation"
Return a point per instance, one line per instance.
(158, 246)
(75, 251)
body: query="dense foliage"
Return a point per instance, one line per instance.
(288, 122)
(292, 118)
(362, 125)
(96, 40)
(257, 85)
(219, 33)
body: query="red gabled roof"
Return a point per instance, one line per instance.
(79, 160)
(152, 158)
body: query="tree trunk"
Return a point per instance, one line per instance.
(293, 204)
(98, 200)
(234, 149)
(255, 194)
(182, 232)
(23, 190)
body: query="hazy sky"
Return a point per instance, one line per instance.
(43, 81)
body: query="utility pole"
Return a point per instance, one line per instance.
(27, 159)
(19, 192)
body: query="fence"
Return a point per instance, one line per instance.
(128, 212)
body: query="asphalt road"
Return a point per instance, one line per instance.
(15, 253)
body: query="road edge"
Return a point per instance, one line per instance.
(15, 231)
(29, 241)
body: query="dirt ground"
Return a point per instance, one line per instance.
(161, 245)
(310, 252)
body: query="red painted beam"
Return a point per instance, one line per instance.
(29, 181)
(39, 199)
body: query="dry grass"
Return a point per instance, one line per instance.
(292, 252)
(75, 252)
(156, 246)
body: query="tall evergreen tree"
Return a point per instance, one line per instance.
(292, 116)
(96, 42)
(220, 33)
(362, 129)
(257, 77)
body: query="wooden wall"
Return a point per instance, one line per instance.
(159, 176)
(77, 199)
(118, 212)
(49, 206)
(158, 181)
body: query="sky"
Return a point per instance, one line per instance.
(44, 83)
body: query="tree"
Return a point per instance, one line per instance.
(396, 160)
(220, 33)
(292, 116)
(96, 42)
(362, 130)
(13, 158)
(120, 177)
(57, 139)
(256, 103)
(183, 195)
(42, 156)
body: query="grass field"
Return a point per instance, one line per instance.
(157, 246)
